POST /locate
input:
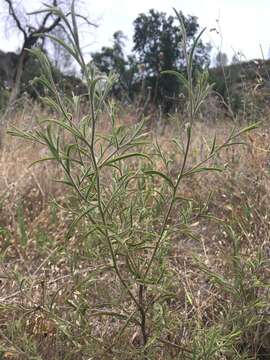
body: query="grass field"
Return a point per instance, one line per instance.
(60, 300)
(134, 237)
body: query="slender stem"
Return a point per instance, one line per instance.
(165, 222)
(143, 314)
(179, 347)
(106, 233)
(209, 157)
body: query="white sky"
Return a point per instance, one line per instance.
(243, 24)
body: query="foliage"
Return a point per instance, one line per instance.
(68, 84)
(221, 59)
(243, 86)
(157, 44)
(3, 98)
(112, 59)
(156, 48)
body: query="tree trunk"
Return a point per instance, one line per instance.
(16, 85)
(31, 36)
(15, 91)
(156, 89)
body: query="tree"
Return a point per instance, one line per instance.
(34, 27)
(221, 59)
(32, 31)
(236, 59)
(112, 59)
(157, 45)
(62, 60)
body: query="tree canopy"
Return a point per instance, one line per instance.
(157, 47)
(157, 44)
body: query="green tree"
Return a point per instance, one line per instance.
(112, 59)
(157, 45)
(221, 59)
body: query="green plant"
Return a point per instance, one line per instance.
(244, 316)
(123, 195)
(21, 225)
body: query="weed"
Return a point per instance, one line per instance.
(122, 194)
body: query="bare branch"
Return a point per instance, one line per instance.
(46, 17)
(44, 29)
(15, 17)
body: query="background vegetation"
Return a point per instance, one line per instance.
(156, 48)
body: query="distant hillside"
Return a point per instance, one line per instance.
(8, 63)
(243, 82)
(244, 86)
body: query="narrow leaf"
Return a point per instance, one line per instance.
(161, 174)
(126, 156)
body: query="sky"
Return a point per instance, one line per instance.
(242, 25)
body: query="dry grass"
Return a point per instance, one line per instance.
(48, 312)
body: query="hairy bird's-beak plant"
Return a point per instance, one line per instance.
(124, 202)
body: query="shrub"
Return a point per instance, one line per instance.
(124, 192)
